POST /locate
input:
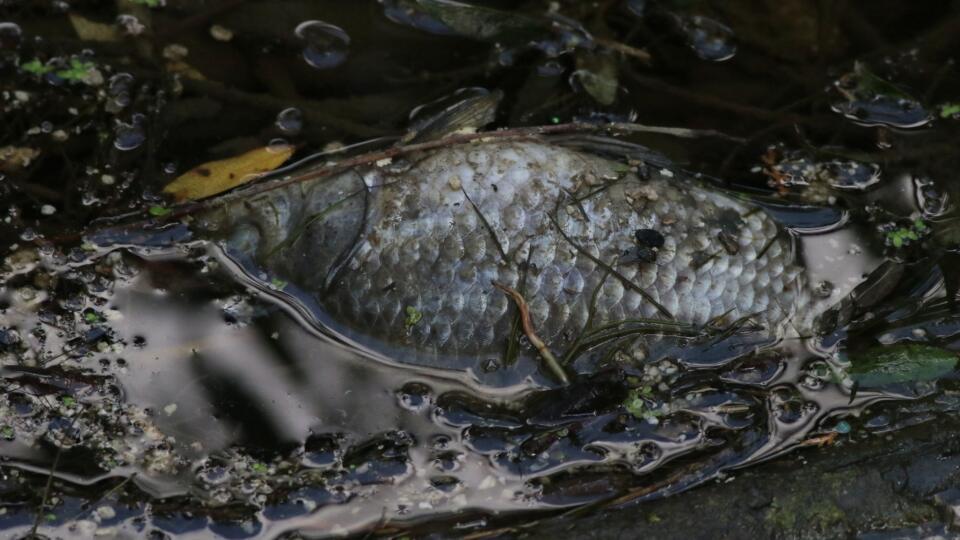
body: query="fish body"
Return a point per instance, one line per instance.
(406, 255)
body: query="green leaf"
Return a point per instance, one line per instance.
(413, 317)
(78, 70)
(901, 364)
(36, 67)
(6, 432)
(68, 401)
(949, 110)
(159, 211)
(636, 405)
(260, 467)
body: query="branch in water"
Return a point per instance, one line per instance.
(511, 134)
(545, 353)
(623, 48)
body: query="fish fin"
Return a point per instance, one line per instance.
(613, 148)
(466, 109)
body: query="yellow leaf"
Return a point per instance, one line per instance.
(219, 176)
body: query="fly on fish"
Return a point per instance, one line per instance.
(475, 252)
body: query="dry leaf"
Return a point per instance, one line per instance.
(219, 176)
(88, 30)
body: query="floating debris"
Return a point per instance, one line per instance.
(799, 169)
(872, 101)
(597, 75)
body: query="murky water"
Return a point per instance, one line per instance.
(171, 391)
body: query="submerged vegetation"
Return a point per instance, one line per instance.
(152, 384)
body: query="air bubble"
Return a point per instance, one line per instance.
(325, 45)
(10, 36)
(290, 121)
(709, 39)
(130, 136)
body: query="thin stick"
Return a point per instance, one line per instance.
(623, 48)
(545, 353)
(46, 494)
(103, 497)
(488, 227)
(609, 268)
(522, 133)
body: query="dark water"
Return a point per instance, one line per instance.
(153, 393)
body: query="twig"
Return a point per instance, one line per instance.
(721, 104)
(46, 494)
(609, 268)
(545, 353)
(103, 497)
(820, 440)
(512, 134)
(488, 227)
(197, 19)
(623, 48)
(312, 110)
(591, 312)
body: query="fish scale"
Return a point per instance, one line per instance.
(435, 233)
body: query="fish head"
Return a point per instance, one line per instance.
(304, 231)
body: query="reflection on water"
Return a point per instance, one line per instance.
(145, 394)
(233, 402)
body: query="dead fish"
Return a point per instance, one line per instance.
(404, 256)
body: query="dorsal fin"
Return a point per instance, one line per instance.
(465, 109)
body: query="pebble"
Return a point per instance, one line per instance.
(106, 512)
(221, 33)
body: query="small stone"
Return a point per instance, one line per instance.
(48, 210)
(175, 51)
(221, 33)
(106, 512)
